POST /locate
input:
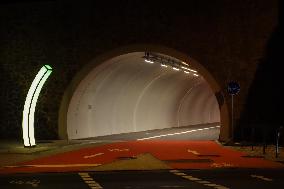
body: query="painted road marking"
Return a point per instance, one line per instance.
(55, 165)
(94, 155)
(90, 181)
(203, 182)
(33, 183)
(174, 171)
(172, 134)
(194, 152)
(213, 185)
(171, 186)
(85, 178)
(93, 184)
(191, 178)
(119, 150)
(180, 174)
(221, 187)
(261, 177)
(198, 180)
(220, 165)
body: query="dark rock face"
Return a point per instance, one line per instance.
(229, 38)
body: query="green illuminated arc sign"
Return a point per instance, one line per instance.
(30, 104)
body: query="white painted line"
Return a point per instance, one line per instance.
(91, 182)
(221, 187)
(261, 177)
(179, 174)
(85, 178)
(33, 183)
(197, 180)
(118, 150)
(184, 132)
(203, 182)
(174, 171)
(84, 174)
(55, 165)
(94, 185)
(213, 185)
(194, 152)
(191, 178)
(94, 155)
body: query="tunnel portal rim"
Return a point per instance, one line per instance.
(101, 58)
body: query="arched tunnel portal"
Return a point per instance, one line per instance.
(121, 93)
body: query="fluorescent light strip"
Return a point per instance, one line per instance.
(184, 63)
(196, 75)
(164, 65)
(189, 69)
(186, 72)
(149, 61)
(30, 104)
(174, 68)
(184, 132)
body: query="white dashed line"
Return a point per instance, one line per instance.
(261, 177)
(90, 181)
(191, 178)
(171, 186)
(198, 180)
(221, 187)
(213, 185)
(180, 174)
(85, 179)
(203, 182)
(174, 171)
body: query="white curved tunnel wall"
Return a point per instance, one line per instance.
(125, 94)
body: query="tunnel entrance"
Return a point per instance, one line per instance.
(131, 93)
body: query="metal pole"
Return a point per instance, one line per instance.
(277, 143)
(252, 137)
(232, 117)
(264, 139)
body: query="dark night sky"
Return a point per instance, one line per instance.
(219, 33)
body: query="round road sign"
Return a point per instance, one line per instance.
(233, 87)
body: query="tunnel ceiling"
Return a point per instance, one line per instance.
(126, 94)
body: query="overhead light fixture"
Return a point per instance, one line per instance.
(184, 63)
(192, 70)
(196, 75)
(166, 61)
(186, 68)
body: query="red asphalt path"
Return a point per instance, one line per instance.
(177, 155)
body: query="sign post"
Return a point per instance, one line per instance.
(233, 88)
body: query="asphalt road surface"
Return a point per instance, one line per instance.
(199, 179)
(194, 132)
